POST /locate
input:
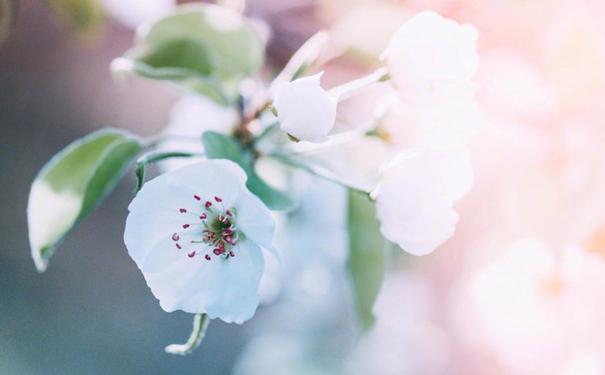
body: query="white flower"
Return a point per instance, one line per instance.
(305, 110)
(432, 60)
(414, 200)
(196, 234)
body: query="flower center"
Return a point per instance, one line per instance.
(210, 230)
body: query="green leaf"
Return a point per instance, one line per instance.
(204, 47)
(72, 184)
(84, 17)
(367, 255)
(8, 17)
(221, 146)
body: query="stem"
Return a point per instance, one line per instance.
(161, 138)
(348, 89)
(153, 157)
(316, 170)
(200, 325)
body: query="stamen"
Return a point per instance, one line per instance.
(228, 212)
(182, 210)
(208, 204)
(197, 197)
(231, 254)
(207, 257)
(218, 199)
(175, 237)
(218, 251)
(178, 246)
(185, 226)
(191, 254)
(203, 216)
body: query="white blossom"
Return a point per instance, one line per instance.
(432, 60)
(415, 198)
(196, 234)
(305, 110)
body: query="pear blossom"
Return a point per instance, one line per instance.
(432, 60)
(415, 197)
(196, 235)
(305, 110)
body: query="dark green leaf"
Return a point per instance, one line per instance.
(204, 47)
(8, 16)
(367, 255)
(83, 17)
(72, 184)
(221, 146)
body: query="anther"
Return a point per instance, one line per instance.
(197, 197)
(203, 216)
(217, 251)
(178, 246)
(191, 254)
(207, 257)
(182, 210)
(185, 226)
(208, 204)
(175, 237)
(218, 199)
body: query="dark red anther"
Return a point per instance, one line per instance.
(218, 251)
(182, 210)
(191, 254)
(207, 257)
(227, 232)
(203, 216)
(218, 199)
(229, 240)
(231, 254)
(208, 204)
(185, 226)
(228, 212)
(178, 246)
(175, 237)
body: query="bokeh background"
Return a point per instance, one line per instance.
(519, 289)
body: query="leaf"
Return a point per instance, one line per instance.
(204, 47)
(84, 17)
(367, 255)
(72, 184)
(220, 146)
(8, 17)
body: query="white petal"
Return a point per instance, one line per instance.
(415, 198)
(241, 278)
(432, 59)
(255, 220)
(222, 288)
(305, 109)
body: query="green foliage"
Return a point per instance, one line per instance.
(220, 146)
(72, 184)
(8, 16)
(203, 47)
(367, 255)
(80, 16)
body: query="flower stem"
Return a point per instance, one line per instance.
(200, 324)
(153, 157)
(317, 170)
(348, 89)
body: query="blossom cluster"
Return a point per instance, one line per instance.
(198, 231)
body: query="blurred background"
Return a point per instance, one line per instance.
(519, 289)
